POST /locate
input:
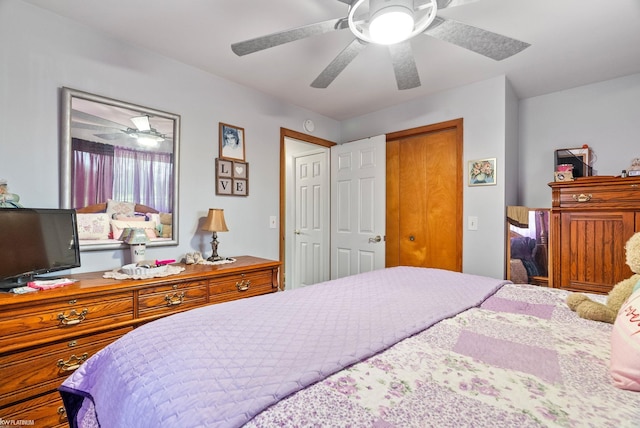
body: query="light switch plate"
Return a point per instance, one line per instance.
(272, 222)
(472, 223)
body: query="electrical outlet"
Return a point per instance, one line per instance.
(272, 222)
(472, 223)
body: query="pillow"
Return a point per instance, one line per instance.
(93, 226)
(128, 218)
(625, 345)
(117, 226)
(120, 208)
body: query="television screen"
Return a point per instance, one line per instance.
(34, 241)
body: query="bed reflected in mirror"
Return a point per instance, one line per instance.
(119, 169)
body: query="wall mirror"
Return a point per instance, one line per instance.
(119, 168)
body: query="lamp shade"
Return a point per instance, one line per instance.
(134, 235)
(215, 221)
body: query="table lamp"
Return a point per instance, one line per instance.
(137, 240)
(215, 223)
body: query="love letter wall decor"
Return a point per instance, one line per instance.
(232, 177)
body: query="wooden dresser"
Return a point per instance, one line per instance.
(46, 335)
(591, 220)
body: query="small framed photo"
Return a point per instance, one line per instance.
(231, 142)
(240, 187)
(224, 186)
(240, 170)
(482, 172)
(224, 168)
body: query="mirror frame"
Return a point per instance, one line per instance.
(66, 158)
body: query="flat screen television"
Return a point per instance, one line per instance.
(35, 241)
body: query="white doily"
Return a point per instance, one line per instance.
(118, 274)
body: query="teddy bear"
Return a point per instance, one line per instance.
(587, 308)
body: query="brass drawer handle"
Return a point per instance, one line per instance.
(243, 285)
(582, 197)
(174, 299)
(73, 318)
(62, 413)
(72, 363)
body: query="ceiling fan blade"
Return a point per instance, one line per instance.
(491, 45)
(92, 127)
(89, 118)
(282, 37)
(111, 137)
(338, 64)
(404, 65)
(443, 4)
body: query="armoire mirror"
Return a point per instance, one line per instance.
(119, 154)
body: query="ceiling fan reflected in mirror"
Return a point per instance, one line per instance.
(89, 126)
(392, 23)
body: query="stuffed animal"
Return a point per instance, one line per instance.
(587, 308)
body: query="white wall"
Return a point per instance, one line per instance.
(482, 107)
(605, 115)
(41, 52)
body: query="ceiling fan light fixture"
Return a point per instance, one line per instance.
(141, 123)
(392, 24)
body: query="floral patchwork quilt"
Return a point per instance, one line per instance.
(521, 359)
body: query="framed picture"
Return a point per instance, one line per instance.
(240, 187)
(240, 170)
(231, 142)
(224, 168)
(482, 172)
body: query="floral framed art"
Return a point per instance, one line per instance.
(482, 172)
(231, 142)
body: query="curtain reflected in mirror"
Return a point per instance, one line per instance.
(119, 166)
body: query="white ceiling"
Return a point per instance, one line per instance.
(573, 42)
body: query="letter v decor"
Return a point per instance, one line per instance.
(232, 177)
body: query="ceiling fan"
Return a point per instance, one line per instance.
(106, 129)
(371, 21)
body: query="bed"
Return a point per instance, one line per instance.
(103, 223)
(399, 347)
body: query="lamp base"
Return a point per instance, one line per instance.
(137, 252)
(214, 249)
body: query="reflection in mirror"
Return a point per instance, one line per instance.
(527, 245)
(119, 168)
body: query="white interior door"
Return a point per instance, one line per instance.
(311, 226)
(358, 182)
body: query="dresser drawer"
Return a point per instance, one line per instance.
(73, 316)
(168, 299)
(44, 411)
(35, 371)
(602, 197)
(241, 285)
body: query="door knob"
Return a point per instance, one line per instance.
(376, 239)
(412, 238)
(297, 232)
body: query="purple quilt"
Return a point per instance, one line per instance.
(221, 365)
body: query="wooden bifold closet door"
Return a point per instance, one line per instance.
(424, 197)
